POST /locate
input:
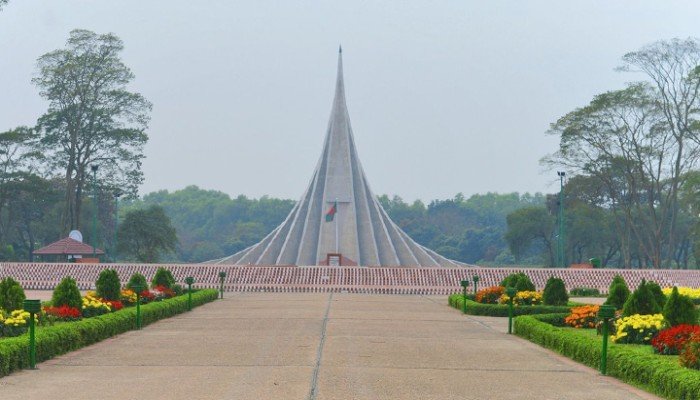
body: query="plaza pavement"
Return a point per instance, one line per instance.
(316, 346)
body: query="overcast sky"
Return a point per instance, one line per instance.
(444, 96)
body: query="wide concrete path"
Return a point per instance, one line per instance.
(316, 346)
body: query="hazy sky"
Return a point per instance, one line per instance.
(444, 96)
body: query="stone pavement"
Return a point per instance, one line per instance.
(316, 346)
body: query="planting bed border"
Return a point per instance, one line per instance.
(52, 341)
(501, 310)
(662, 375)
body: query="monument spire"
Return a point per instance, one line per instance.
(362, 231)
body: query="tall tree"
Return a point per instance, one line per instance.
(145, 234)
(92, 118)
(673, 67)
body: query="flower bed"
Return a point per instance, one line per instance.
(501, 310)
(55, 340)
(635, 364)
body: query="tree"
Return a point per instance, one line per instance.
(554, 293)
(92, 118)
(617, 293)
(640, 143)
(679, 310)
(67, 294)
(108, 285)
(11, 295)
(145, 234)
(641, 301)
(527, 225)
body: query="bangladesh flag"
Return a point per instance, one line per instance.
(331, 212)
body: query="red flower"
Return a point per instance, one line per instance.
(116, 305)
(63, 312)
(672, 340)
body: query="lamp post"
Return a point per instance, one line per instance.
(222, 275)
(189, 281)
(475, 278)
(94, 215)
(138, 289)
(560, 243)
(465, 284)
(117, 195)
(511, 292)
(33, 307)
(605, 313)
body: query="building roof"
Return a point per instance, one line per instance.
(360, 229)
(67, 246)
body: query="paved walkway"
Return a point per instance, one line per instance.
(316, 346)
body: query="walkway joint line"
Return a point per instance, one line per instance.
(319, 353)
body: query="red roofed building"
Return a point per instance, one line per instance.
(69, 247)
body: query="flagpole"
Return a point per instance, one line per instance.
(336, 226)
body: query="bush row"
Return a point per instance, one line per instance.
(501, 310)
(659, 374)
(62, 338)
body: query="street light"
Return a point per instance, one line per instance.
(560, 244)
(94, 215)
(117, 195)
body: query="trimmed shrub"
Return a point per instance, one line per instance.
(661, 375)
(163, 278)
(679, 310)
(658, 294)
(641, 301)
(11, 295)
(108, 285)
(555, 292)
(137, 279)
(61, 338)
(584, 292)
(520, 281)
(617, 293)
(672, 340)
(67, 294)
(501, 310)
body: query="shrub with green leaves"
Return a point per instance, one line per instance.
(679, 310)
(641, 301)
(163, 277)
(67, 294)
(11, 295)
(137, 280)
(108, 285)
(618, 293)
(555, 292)
(658, 294)
(520, 281)
(584, 292)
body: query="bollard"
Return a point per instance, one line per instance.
(464, 303)
(475, 278)
(138, 289)
(222, 275)
(605, 313)
(511, 292)
(189, 281)
(33, 307)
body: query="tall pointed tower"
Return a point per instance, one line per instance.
(359, 233)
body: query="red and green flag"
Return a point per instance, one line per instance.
(330, 214)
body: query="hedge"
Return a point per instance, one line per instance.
(55, 340)
(662, 375)
(501, 310)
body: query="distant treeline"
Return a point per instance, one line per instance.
(210, 224)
